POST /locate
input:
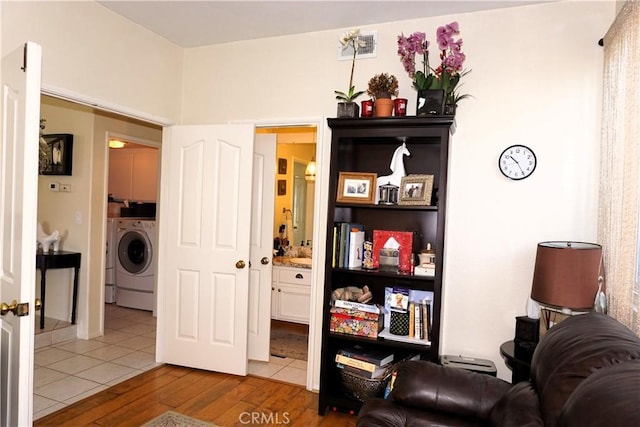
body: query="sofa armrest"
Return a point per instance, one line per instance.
(425, 385)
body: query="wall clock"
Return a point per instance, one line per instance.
(517, 162)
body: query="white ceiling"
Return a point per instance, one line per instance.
(200, 23)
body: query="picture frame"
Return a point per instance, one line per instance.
(55, 154)
(356, 187)
(282, 187)
(282, 166)
(416, 190)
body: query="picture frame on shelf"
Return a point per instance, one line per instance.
(356, 187)
(416, 190)
(56, 154)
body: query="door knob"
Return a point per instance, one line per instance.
(240, 264)
(38, 304)
(18, 309)
(264, 260)
(4, 308)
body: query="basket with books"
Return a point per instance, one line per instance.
(364, 388)
(364, 372)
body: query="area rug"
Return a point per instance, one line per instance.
(174, 419)
(288, 344)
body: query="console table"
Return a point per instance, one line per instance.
(55, 260)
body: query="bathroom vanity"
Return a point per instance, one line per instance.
(290, 291)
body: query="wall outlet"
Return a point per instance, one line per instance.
(54, 186)
(65, 187)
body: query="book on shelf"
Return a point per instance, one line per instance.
(356, 363)
(342, 244)
(356, 242)
(379, 372)
(376, 356)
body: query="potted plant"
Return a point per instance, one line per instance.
(436, 87)
(382, 87)
(348, 108)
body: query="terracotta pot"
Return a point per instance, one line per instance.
(383, 107)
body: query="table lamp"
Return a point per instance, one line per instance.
(567, 275)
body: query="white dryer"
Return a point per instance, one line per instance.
(135, 263)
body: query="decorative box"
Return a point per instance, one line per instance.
(356, 322)
(400, 241)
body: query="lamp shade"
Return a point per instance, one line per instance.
(567, 274)
(310, 171)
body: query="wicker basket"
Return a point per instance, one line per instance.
(364, 388)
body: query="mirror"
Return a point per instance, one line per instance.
(294, 196)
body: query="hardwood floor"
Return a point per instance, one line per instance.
(225, 400)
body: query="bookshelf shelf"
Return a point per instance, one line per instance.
(366, 146)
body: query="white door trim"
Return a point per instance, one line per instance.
(319, 235)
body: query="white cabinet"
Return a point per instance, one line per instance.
(133, 174)
(290, 294)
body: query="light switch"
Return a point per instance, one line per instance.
(78, 217)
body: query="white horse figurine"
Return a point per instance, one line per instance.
(46, 240)
(397, 169)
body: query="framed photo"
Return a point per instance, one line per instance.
(416, 190)
(282, 187)
(282, 166)
(55, 154)
(356, 187)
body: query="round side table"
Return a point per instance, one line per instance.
(520, 368)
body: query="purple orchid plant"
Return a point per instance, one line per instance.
(447, 74)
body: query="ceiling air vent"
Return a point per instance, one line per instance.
(369, 50)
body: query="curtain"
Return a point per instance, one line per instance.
(619, 212)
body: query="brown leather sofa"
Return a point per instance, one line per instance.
(584, 372)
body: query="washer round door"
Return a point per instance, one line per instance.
(134, 251)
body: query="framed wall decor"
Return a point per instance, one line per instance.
(282, 187)
(282, 166)
(416, 190)
(56, 154)
(356, 187)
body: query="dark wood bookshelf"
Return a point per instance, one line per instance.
(366, 145)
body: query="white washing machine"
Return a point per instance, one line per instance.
(110, 268)
(135, 263)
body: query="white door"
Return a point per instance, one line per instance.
(203, 264)
(264, 176)
(18, 207)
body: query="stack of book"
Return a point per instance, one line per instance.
(420, 320)
(348, 238)
(363, 362)
(354, 318)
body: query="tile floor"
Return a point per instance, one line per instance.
(68, 369)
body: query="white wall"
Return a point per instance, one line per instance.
(535, 80)
(89, 50)
(57, 210)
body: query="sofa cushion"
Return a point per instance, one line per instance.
(571, 351)
(427, 386)
(518, 407)
(384, 413)
(611, 397)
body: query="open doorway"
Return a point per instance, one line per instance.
(293, 240)
(68, 365)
